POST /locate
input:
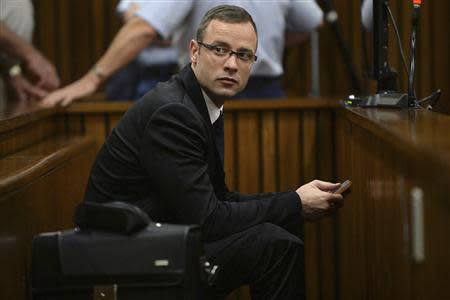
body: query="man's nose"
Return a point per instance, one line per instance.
(231, 62)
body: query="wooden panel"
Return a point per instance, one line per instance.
(269, 149)
(98, 38)
(436, 53)
(22, 131)
(46, 26)
(289, 149)
(45, 204)
(81, 60)
(19, 168)
(74, 124)
(428, 277)
(95, 125)
(327, 228)
(382, 152)
(249, 153)
(312, 230)
(351, 251)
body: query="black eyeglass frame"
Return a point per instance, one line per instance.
(252, 57)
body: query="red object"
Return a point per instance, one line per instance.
(417, 2)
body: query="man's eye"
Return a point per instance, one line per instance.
(244, 55)
(220, 50)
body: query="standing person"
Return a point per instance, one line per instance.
(166, 157)
(178, 19)
(156, 63)
(16, 51)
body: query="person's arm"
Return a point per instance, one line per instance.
(302, 18)
(316, 198)
(12, 44)
(133, 37)
(30, 57)
(22, 89)
(173, 153)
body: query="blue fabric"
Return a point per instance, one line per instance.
(262, 88)
(135, 80)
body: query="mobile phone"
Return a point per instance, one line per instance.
(343, 187)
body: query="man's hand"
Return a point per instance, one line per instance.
(45, 72)
(317, 199)
(83, 87)
(23, 90)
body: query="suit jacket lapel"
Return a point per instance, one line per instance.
(194, 92)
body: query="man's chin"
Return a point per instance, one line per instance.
(225, 93)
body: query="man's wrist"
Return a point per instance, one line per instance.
(98, 72)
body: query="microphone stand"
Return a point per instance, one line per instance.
(412, 99)
(429, 101)
(331, 17)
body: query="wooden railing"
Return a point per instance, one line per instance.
(394, 231)
(43, 174)
(397, 160)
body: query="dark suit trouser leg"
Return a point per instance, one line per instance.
(267, 257)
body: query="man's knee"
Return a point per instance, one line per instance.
(268, 234)
(273, 245)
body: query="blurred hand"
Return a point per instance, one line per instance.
(83, 87)
(317, 198)
(45, 72)
(23, 90)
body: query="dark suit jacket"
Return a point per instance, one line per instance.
(162, 157)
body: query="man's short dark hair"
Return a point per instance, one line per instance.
(225, 13)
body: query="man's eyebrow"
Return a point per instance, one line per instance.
(246, 50)
(224, 44)
(220, 43)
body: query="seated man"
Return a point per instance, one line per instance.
(166, 157)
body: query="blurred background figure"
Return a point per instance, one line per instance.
(367, 14)
(17, 53)
(156, 20)
(154, 64)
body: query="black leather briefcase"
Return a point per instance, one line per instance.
(161, 261)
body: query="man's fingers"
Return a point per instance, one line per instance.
(326, 186)
(49, 82)
(66, 101)
(52, 99)
(37, 92)
(336, 200)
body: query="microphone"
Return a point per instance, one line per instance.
(412, 100)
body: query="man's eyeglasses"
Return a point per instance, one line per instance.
(224, 51)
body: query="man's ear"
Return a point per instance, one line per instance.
(193, 51)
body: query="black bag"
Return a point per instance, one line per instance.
(161, 261)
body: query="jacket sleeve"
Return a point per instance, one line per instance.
(174, 154)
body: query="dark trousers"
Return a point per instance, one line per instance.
(267, 257)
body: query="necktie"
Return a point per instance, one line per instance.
(218, 130)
